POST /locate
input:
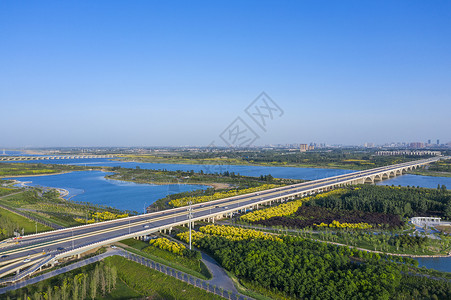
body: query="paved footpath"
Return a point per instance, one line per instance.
(220, 285)
(219, 276)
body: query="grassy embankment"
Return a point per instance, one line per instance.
(191, 266)
(49, 207)
(29, 169)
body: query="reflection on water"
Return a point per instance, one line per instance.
(91, 186)
(436, 263)
(418, 180)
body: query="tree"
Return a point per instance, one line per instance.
(93, 285)
(114, 276)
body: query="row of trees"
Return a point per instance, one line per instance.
(284, 209)
(308, 216)
(402, 201)
(97, 282)
(165, 244)
(306, 269)
(336, 224)
(100, 217)
(219, 195)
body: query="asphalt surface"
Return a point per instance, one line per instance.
(220, 284)
(64, 240)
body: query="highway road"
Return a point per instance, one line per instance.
(28, 251)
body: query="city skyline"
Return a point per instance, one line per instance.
(153, 73)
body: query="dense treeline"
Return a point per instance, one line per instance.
(306, 269)
(307, 216)
(410, 241)
(402, 201)
(441, 166)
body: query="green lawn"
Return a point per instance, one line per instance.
(154, 284)
(122, 291)
(28, 225)
(7, 191)
(187, 265)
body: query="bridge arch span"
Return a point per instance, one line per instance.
(368, 180)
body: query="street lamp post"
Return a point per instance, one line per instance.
(190, 216)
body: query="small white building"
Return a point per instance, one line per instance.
(428, 221)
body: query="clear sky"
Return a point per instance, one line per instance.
(144, 73)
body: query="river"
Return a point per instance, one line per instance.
(91, 186)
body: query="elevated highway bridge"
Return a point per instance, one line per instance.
(23, 256)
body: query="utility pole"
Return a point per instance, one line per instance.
(190, 216)
(72, 238)
(36, 223)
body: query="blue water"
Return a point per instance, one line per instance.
(93, 187)
(418, 180)
(278, 172)
(437, 263)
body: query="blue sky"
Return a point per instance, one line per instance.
(143, 73)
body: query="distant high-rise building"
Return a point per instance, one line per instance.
(438, 142)
(416, 145)
(303, 147)
(429, 142)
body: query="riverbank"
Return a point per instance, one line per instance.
(431, 173)
(63, 192)
(38, 175)
(215, 185)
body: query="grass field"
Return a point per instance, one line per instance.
(7, 191)
(28, 225)
(154, 284)
(187, 265)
